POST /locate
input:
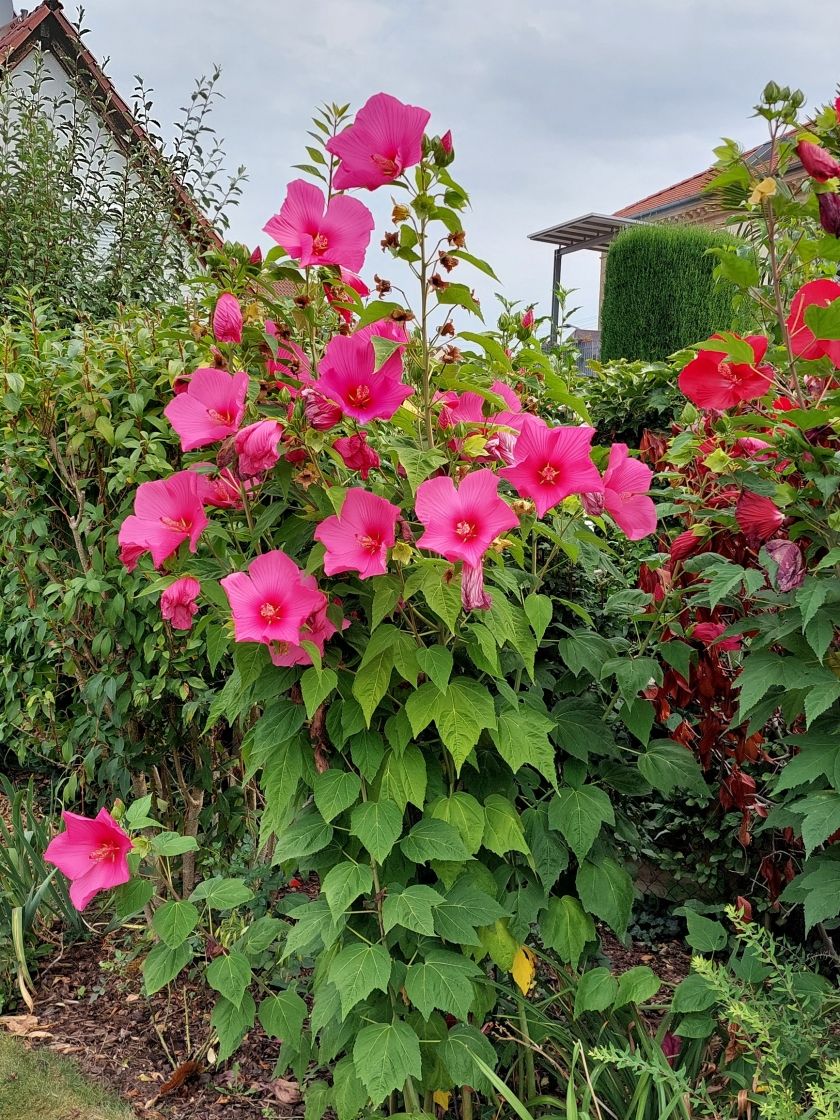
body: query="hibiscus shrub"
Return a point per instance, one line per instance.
(750, 584)
(366, 514)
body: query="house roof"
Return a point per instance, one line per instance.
(690, 190)
(48, 28)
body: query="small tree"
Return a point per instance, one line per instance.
(90, 224)
(660, 294)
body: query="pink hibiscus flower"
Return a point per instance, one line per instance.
(227, 319)
(210, 409)
(358, 538)
(626, 482)
(347, 377)
(803, 341)
(552, 463)
(314, 231)
(270, 602)
(178, 602)
(167, 512)
(462, 523)
(219, 490)
(711, 380)
(357, 454)
(385, 139)
(320, 413)
(317, 628)
(256, 447)
(91, 854)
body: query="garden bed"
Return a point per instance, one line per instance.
(89, 1007)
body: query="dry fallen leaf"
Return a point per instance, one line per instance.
(286, 1092)
(19, 1024)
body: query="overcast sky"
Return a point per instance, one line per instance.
(557, 107)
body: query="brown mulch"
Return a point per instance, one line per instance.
(670, 960)
(98, 1016)
(89, 1006)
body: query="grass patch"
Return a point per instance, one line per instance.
(37, 1085)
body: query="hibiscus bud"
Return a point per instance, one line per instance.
(405, 530)
(446, 141)
(180, 383)
(593, 503)
(473, 595)
(382, 286)
(321, 414)
(402, 552)
(671, 1046)
(400, 213)
(685, 545)
(500, 446)
(227, 319)
(527, 319)
(357, 455)
(758, 518)
(744, 908)
(791, 567)
(256, 447)
(819, 163)
(256, 257)
(830, 213)
(178, 602)
(837, 109)
(449, 262)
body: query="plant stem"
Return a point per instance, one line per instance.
(466, 1103)
(530, 1072)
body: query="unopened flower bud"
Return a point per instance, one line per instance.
(321, 414)
(830, 213)
(819, 163)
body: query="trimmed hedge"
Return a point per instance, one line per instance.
(659, 292)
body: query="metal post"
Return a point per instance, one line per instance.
(555, 301)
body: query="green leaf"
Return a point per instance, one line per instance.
(632, 675)
(367, 751)
(821, 889)
(309, 834)
(521, 738)
(693, 994)
(596, 990)
(821, 813)
(579, 729)
(637, 985)
(173, 922)
(460, 295)
(377, 824)
(418, 465)
(433, 839)
(539, 610)
(443, 981)
(130, 898)
(567, 928)
(412, 908)
(349, 1094)
(315, 687)
(668, 766)
(502, 827)
(461, 714)
(420, 707)
(357, 971)
(232, 1023)
(283, 1015)
(578, 815)
(810, 597)
(436, 663)
(343, 883)
(464, 812)
(549, 852)
(385, 1056)
(335, 791)
(824, 321)
(403, 778)
(371, 681)
(704, 934)
(464, 1044)
(163, 964)
(222, 894)
(173, 844)
(444, 597)
(229, 975)
(606, 890)
(463, 909)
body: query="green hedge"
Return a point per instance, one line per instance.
(659, 292)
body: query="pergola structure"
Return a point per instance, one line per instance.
(592, 231)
